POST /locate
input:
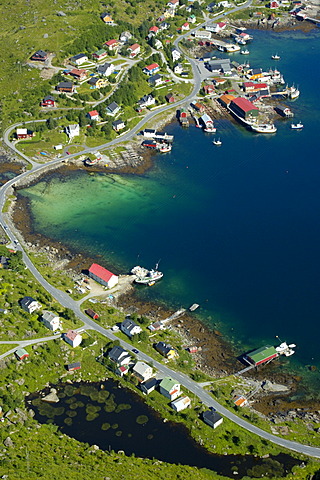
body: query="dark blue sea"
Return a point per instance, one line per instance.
(237, 227)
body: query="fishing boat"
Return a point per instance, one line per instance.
(145, 276)
(194, 307)
(264, 128)
(275, 57)
(285, 349)
(293, 92)
(217, 142)
(296, 126)
(164, 147)
(245, 52)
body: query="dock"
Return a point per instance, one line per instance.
(244, 370)
(174, 316)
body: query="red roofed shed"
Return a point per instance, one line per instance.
(103, 276)
(243, 108)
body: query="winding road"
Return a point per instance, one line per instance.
(66, 301)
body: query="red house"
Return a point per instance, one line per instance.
(21, 354)
(170, 98)
(154, 30)
(48, 101)
(92, 313)
(112, 44)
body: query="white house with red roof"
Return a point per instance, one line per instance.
(151, 69)
(173, 3)
(134, 50)
(73, 338)
(154, 30)
(103, 276)
(185, 26)
(93, 115)
(274, 4)
(112, 44)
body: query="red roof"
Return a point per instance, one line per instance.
(222, 24)
(152, 66)
(244, 104)
(135, 46)
(93, 113)
(153, 29)
(100, 272)
(111, 42)
(186, 24)
(71, 334)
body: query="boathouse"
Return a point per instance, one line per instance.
(262, 355)
(103, 276)
(244, 108)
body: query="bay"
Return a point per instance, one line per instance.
(236, 227)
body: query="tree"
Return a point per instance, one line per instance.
(51, 123)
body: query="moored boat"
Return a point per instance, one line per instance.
(194, 307)
(296, 126)
(275, 57)
(245, 52)
(145, 276)
(264, 128)
(293, 92)
(217, 142)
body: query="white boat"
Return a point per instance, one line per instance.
(264, 128)
(194, 307)
(232, 48)
(145, 276)
(275, 57)
(217, 142)
(297, 126)
(285, 349)
(209, 129)
(293, 93)
(245, 52)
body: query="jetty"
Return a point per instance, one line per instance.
(174, 316)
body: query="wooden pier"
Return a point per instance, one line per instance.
(174, 316)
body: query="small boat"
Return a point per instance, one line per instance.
(275, 57)
(245, 52)
(145, 276)
(210, 129)
(264, 128)
(194, 307)
(296, 126)
(217, 142)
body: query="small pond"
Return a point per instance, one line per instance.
(115, 418)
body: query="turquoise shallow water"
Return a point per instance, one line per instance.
(236, 228)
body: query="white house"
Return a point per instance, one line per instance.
(146, 101)
(173, 3)
(29, 304)
(178, 69)
(175, 54)
(134, 50)
(125, 36)
(158, 44)
(119, 356)
(73, 338)
(192, 18)
(72, 130)
(130, 328)
(142, 371)
(185, 27)
(170, 388)
(79, 59)
(103, 276)
(50, 320)
(106, 69)
(202, 34)
(181, 403)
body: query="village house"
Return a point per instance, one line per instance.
(175, 54)
(119, 356)
(166, 350)
(155, 326)
(97, 82)
(29, 304)
(73, 366)
(118, 125)
(4, 263)
(92, 313)
(170, 13)
(198, 107)
(169, 388)
(93, 115)
(181, 403)
(156, 80)
(185, 27)
(240, 401)
(130, 328)
(73, 338)
(216, 27)
(72, 130)
(112, 44)
(149, 385)
(113, 109)
(192, 18)
(134, 50)
(274, 4)
(103, 276)
(78, 74)
(39, 56)
(178, 69)
(146, 101)
(106, 69)
(125, 37)
(212, 418)
(158, 44)
(48, 101)
(209, 89)
(107, 18)
(220, 65)
(79, 59)
(142, 371)
(164, 26)
(153, 30)
(65, 87)
(151, 69)
(170, 98)
(21, 354)
(22, 133)
(226, 99)
(202, 34)
(173, 3)
(100, 54)
(51, 320)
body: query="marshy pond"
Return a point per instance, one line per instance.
(114, 418)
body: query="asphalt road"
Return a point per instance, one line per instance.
(68, 302)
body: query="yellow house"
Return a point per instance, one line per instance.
(107, 18)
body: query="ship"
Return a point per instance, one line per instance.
(264, 128)
(285, 349)
(145, 276)
(293, 93)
